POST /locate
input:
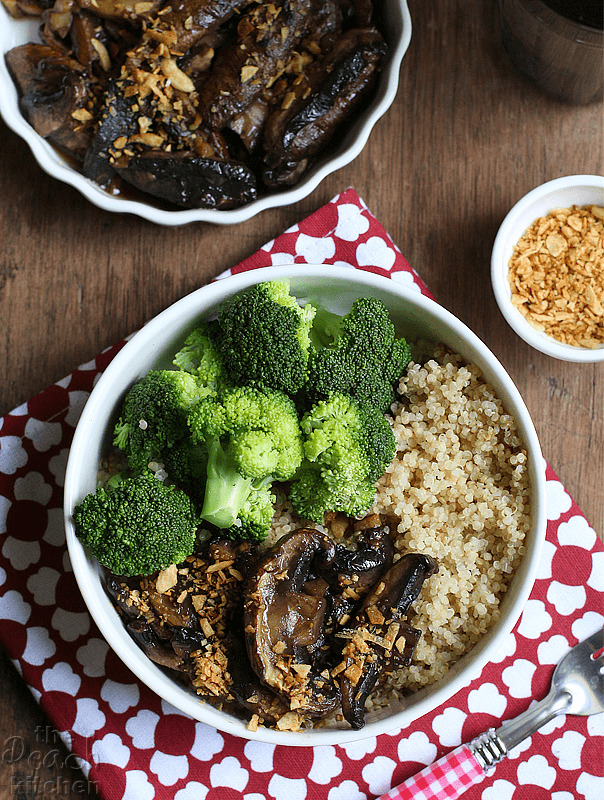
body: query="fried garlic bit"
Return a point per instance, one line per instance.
(556, 275)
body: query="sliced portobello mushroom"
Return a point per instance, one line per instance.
(191, 181)
(284, 624)
(266, 37)
(380, 633)
(316, 106)
(55, 96)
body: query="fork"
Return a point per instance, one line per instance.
(577, 688)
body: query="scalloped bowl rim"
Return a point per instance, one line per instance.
(162, 333)
(55, 165)
(557, 193)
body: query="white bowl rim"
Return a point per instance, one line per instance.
(56, 166)
(499, 271)
(473, 662)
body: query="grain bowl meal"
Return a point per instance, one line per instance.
(196, 103)
(306, 518)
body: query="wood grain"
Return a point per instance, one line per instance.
(464, 140)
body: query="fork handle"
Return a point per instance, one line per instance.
(450, 776)
(514, 731)
(447, 778)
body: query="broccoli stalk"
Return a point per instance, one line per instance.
(347, 445)
(356, 354)
(139, 527)
(226, 488)
(253, 438)
(265, 338)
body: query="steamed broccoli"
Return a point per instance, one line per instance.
(347, 446)
(139, 527)
(186, 464)
(252, 438)
(200, 355)
(264, 337)
(154, 415)
(357, 354)
(256, 513)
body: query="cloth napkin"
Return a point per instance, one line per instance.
(133, 746)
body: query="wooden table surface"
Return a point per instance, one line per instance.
(465, 138)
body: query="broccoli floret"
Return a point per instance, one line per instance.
(253, 437)
(186, 466)
(347, 446)
(265, 337)
(255, 515)
(357, 354)
(154, 415)
(140, 527)
(200, 355)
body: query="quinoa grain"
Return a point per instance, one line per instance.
(459, 485)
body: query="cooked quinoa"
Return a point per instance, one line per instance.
(460, 486)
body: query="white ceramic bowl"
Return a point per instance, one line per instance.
(398, 35)
(153, 346)
(579, 190)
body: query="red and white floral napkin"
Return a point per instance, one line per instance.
(133, 746)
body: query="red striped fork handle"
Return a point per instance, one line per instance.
(450, 776)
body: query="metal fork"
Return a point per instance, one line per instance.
(577, 688)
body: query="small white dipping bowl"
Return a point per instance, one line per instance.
(153, 347)
(574, 190)
(396, 26)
